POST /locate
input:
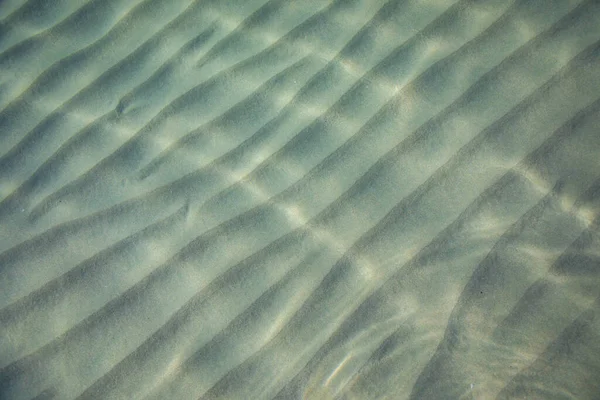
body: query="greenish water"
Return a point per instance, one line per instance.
(299, 199)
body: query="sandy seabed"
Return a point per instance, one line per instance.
(251, 199)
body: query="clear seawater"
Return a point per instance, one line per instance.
(299, 199)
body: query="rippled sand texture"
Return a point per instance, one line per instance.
(299, 199)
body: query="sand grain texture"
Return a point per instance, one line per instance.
(345, 199)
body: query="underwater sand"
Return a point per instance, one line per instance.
(285, 199)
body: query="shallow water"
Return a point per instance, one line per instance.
(300, 199)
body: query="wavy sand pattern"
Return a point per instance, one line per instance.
(343, 199)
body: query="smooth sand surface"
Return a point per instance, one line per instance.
(347, 199)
